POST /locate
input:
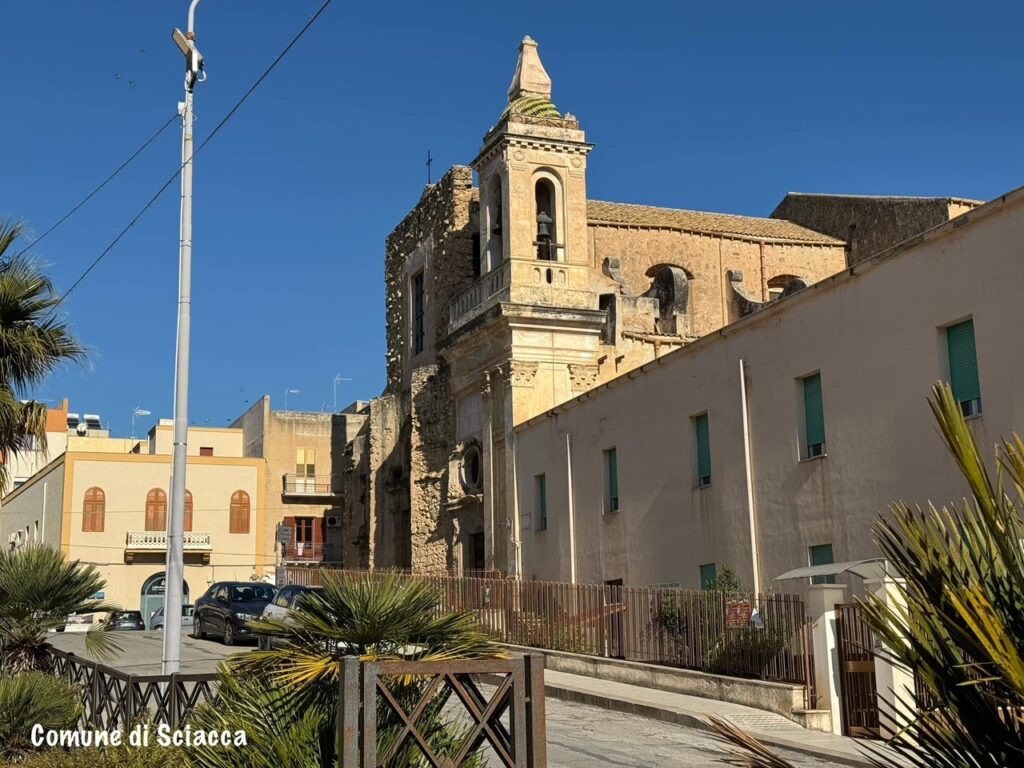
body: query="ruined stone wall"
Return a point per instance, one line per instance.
(386, 448)
(706, 258)
(432, 440)
(440, 230)
(868, 224)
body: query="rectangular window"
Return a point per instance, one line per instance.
(963, 367)
(304, 531)
(814, 418)
(206, 450)
(611, 481)
(606, 303)
(822, 555)
(542, 502)
(305, 470)
(703, 450)
(418, 315)
(708, 576)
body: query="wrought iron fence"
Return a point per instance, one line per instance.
(443, 713)
(112, 699)
(741, 634)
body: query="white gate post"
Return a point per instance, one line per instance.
(894, 684)
(821, 607)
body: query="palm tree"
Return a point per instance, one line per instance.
(962, 629)
(39, 587)
(34, 341)
(294, 686)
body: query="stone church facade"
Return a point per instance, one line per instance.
(510, 297)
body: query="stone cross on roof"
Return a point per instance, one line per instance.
(530, 78)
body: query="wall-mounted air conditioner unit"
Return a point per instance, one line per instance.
(333, 521)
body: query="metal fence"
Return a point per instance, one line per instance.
(115, 700)
(745, 635)
(442, 713)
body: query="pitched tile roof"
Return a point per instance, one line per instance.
(748, 227)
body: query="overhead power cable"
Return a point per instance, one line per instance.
(102, 184)
(199, 149)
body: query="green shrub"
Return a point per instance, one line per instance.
(30, 698)
(124, 756)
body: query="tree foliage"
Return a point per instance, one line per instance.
(39, 587)
(34, 342)
(294, 687)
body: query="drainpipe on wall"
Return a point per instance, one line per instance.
(752, 517)
(572, 509)
(517, 543)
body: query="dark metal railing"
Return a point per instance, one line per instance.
(112, 699)
(442, 713)
(309, 485)
(741, 634)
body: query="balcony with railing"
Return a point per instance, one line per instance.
(487, 291)
(145, 542)
(310, 553)
(322, 486)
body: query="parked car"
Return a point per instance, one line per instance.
(286, 599)
(157, 620)
(124, 621)
(227, 607)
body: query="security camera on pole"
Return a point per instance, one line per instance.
(176, 521)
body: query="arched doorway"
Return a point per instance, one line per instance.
(152, 596)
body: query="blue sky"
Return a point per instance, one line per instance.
(721, 107)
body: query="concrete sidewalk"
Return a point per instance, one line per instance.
(769, 728)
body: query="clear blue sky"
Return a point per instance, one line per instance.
(713, 106)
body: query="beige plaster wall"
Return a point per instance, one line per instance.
(877, 339)
(125, 481)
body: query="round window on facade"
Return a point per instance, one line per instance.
(471, 471)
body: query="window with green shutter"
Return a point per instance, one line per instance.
(814, 417)
(542, 503)
(611, 481)
(822, 555)
(963, 367)
(703, 451)
(708, 576)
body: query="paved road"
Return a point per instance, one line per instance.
(579, 736)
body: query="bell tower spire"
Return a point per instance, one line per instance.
(530, 79)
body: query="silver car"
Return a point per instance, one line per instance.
(156, 621)
(287, 599)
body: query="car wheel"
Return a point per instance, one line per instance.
(229, 633)
(197, 628)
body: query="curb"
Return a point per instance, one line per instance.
(682, 717)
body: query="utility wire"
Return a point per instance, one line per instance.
(199, 149)
(104, 183)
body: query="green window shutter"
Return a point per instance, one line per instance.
(814, 414)
(613, 480)
(703, 450)
(963, 361)
(542, 503)
(708, 576)
(822, 555)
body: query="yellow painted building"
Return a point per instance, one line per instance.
(106, 502)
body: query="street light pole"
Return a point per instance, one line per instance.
(175, 568)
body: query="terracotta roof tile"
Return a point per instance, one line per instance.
(599, 212)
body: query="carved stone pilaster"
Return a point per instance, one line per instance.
(582, 376)
(520, 373)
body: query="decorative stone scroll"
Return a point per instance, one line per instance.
(582, 376)
(520, 373)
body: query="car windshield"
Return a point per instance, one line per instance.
(251, 592)
(127, 616)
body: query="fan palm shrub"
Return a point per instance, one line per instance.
(295, 685)
(34, 341)
(30, 699)
(39, 587)
(961, 629)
